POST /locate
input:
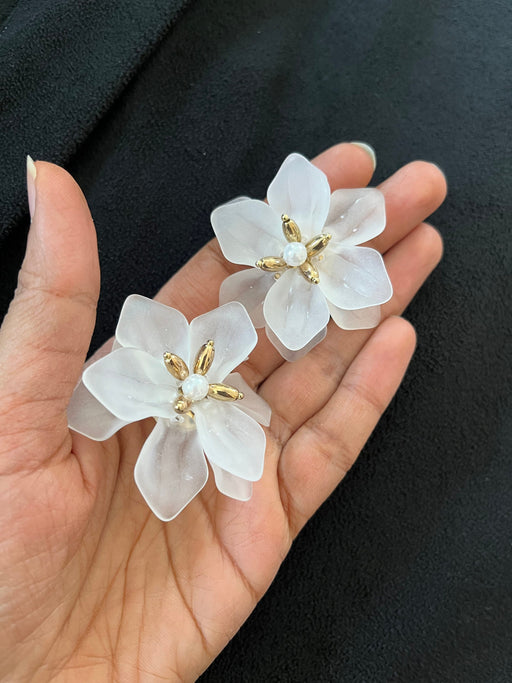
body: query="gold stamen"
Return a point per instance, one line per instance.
(317, 244)
(223, 392)
(176, 366)
(204, 358)
(310, 273)
(271, 263)
(291, 229)
(182, 405)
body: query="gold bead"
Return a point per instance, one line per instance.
(271, 263)
(181, 405)
(317, 244)
(204, 358)
(291, 229)
(310, 273)
(176, 366)
(223, 392)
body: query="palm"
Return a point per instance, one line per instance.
(99, 586)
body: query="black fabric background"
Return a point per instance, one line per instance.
(162, 110)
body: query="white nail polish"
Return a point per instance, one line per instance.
(31, 184)
(369, 149)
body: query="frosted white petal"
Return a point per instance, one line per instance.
(247, 230)
(132, 385)
(171, 469)
(229, 485)
(231, 439)
(241, 198)
(360, 319)
(87, 416)
(153, 327)
(355, 216)
(302, 191)
(295, 310)
(355, 278)
(292, 356)
(252, 404)
(250, 288)
(233, 334)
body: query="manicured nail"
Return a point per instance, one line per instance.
(369, 149)
(31, 185)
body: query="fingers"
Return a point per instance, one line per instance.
(317, 457)
(412, 193)
(297, 391)
(346, 165)
(46, 333)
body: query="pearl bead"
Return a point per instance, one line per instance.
(195, 387)
(295, 254)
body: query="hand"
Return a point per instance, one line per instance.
(94, 586)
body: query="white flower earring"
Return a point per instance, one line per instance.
(307, 265)
(181, 375)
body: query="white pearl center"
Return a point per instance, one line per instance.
(295, 253)
(195, 387)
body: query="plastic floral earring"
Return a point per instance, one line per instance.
(307, 265)
(181, 375)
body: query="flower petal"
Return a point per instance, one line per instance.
(132, 385)
(171, 469)
(355, 278)
(252, 404)
(152, 327)
(250, 288)
(87, 416)
(292, 356)
(233, 334)
(302, 191)
(229, 485)
(359, 319)
(295, 310)
(355, 216)
(247, 230)
(231, 439)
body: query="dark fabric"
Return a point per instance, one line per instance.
(163, 110)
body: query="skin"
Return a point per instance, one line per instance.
(93, 586)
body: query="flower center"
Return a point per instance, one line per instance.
(295, 253)
(195, 387)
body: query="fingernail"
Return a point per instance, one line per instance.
(369, 149)
(31, 185)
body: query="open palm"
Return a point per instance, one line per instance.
(93, 586)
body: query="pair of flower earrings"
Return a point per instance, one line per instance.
(305, 267)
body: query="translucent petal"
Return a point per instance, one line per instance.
(355, 278)
(241, 198)
(231, 439)
(153, 327)
(295, 310)
(132, 385)
(355, 216)
(171, 469)
(87, 416)
(302, 191)
(292, 356)
(252, 404)
(247, 231)
(233, 334)
(250, 288)
(359, 319)
(229, 485)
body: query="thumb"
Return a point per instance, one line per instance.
(46, 333)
